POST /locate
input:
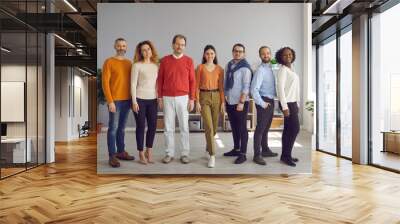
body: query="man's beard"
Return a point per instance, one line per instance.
(121, 52)
(266, 61)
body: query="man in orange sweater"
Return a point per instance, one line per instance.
(116, 87)
(176, 93)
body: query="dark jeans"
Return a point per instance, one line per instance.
(291, 128)
(264, 120)
(238, 121)
(147, 113)
(116, 127)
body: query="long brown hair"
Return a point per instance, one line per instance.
(138, 52)
(206, 48)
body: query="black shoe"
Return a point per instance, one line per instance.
(233, 152)
(259, 160)
(268, 153)
(288, 162)
(240, 159)
(294, 159)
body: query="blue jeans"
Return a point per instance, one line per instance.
(116, 127)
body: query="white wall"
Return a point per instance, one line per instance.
(253, 24)
(61, 103)
(68, 81)
(17, 73)
(80, 83)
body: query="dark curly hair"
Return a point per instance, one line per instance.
(278, 55)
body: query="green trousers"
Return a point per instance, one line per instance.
(210, 109)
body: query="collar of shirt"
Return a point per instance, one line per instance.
(266, 68)
(177, 57)
(268, 65)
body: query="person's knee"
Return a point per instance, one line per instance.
(259, 130)
(121, 126)
(151, 129)
(208, 132)
(297, 130)
(112, 130)
(140, 124)
(112, 126)
(293, 131)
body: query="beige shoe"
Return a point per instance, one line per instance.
(142, 158)
(167, 159)
(149, 155)
(185, 159)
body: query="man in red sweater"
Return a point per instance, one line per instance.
(176, 93)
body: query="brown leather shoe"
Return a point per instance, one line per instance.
(125, 156)
(113, 161)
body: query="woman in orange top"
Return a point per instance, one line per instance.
(210, 96)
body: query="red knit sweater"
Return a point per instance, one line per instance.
(176, 77)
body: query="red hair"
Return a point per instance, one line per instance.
(138, 52)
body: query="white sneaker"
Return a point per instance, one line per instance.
(207, 155)
(211, 162)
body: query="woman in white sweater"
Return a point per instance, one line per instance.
(144, 97)
(288, 91)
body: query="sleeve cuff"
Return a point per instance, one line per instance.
(284, 106)
(263, 104)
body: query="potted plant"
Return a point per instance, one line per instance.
(101, 98)
(310, 107)
(274, 64)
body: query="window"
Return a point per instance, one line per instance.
(385, 89)
(346, 94)
(327, 96)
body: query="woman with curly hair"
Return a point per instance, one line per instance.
(144, 97)
(288, 91)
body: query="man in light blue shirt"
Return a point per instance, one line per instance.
(263, 91)
(237, 88)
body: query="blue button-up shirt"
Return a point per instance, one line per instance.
(263, 84)
(241, 85)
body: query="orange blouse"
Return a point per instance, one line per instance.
(210, 80)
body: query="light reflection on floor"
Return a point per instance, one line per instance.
(274, 140)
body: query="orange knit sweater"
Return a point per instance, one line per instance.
(117, 79)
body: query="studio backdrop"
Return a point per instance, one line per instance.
(222, 25)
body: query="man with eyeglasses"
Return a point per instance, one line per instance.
(237, 86)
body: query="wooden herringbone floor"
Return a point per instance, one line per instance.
(70, 191)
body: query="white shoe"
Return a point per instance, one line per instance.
(207, 155)
(211, 162)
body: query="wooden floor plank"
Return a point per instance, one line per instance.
(70, 191)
